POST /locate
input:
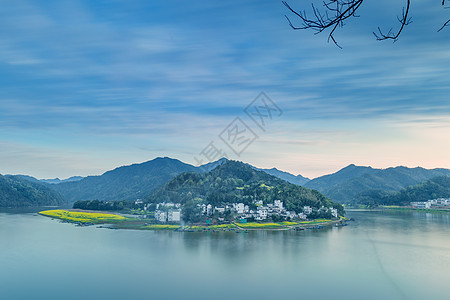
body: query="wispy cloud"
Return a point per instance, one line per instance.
(163, 75)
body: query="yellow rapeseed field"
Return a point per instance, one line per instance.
(84, 217)
(161, 226)
(289, 223)
(259, 225)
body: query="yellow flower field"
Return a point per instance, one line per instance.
(259, 225)
(222, 226)
(84, 217)
(315, 221)
(161, 226)
(289, 223)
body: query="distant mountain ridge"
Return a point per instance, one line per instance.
(295, 179)
(124, 183)
(16, 191)
(331, 180)
(353, 183)
(212, 165)
(350, 185)
(50, 181)
(57, 180)
(139, 180)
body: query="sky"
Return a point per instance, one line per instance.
(87, 86)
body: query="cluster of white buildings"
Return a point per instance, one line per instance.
(262, 212)
(168, 212)
(265, 211)
(171, 212)
(440, 202)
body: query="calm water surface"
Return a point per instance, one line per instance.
(382, 255)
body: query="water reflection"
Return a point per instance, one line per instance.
(382, 255)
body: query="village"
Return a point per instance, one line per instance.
(440, 203)
(172, 212)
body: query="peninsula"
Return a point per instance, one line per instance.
(119, 221)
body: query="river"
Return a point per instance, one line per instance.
(381, 255)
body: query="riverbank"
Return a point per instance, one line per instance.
(401, 208)
(407, 208)
(119, 221)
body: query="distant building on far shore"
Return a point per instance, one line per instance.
(422, 205)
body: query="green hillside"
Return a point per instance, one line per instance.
(237, 182)
(359, 185)
(19, 192)
(438, 187)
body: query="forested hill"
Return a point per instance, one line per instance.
(234, 182)
(357, 185)
(19, 192)
(124, 183)
(438, 187)
(138, 181)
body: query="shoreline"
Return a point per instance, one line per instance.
(115, 220)
(402, 208)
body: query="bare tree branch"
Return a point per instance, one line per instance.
(333, 14)
(336, 12)
(448, 21)
(445, 25)
(404, 21)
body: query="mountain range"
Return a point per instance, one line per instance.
(350, 185)
(295, 179)
(139, 180)
(125, 183)
(50, 181)
(353, 183)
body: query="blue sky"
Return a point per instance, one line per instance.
(87, 86)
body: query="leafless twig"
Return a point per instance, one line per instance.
(404, 21)
(333, 14)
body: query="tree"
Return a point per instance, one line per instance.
(333, 14)
(191, 211)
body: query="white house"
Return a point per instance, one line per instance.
(334, 212)
(291, 214)
(278, 203)
(209, 210)
(240, 208)
(302, 216)
(174, 215)
(220, 209)
(307, 210)
(160, 216)
(423, 205)
(432, 202)
(441, 201)
(262, 213)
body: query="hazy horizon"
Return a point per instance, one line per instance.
(101, 172)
